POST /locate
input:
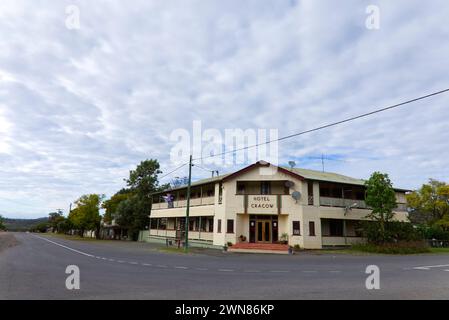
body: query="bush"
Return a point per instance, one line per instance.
(395, 231)
(296, 247)
(433, 232)
(401, 247)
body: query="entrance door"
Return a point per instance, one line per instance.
(263, 231)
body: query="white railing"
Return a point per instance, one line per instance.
(183, 203)
(339, 202)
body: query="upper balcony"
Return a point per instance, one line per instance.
(199, 196)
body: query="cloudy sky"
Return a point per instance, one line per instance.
(80, 107)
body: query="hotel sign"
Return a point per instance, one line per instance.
(269, 204)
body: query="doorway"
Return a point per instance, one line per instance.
(263, 231)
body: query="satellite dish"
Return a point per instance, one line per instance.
(289, 184)
(296, 195)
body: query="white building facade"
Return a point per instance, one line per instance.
(263, 203)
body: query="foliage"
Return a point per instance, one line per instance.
(433, 232)
(430, 204)
(2, 226)
(54, 218)
(86, 215)
(111, 205)
(133, 212)
(393, 232)
(41, 227)
(401, 247)
(380, 196)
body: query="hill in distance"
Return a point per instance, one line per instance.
(22, 224)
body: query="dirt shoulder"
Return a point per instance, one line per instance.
(7, 240)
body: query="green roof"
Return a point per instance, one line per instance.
(325, 176)
(308, 174)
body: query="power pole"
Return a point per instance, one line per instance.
(188, 205)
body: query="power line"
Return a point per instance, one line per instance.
(330, 124)
(167, 174)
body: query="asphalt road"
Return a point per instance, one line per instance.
(35, 269)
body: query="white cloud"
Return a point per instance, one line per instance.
(79, 108)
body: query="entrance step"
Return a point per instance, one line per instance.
(259, 248)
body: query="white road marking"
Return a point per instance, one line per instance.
(225, 270)
(181, 268)
(249, 271)
(446, 270)
(335, 271)
(279, 271)
(310, 271)
(201, 269)
(147, 264)
(428, 267)
(132, 262)
(120, 261)
(65, 247)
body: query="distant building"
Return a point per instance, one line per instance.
(263, 203)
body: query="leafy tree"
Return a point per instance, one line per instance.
(380, 196)
(111, 205)
(54, 218)
(86, 215)
(430, 204)
(2, 226)
(133, 212)
(41, 227)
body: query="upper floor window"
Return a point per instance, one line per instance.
(241, 188)
(265, 187)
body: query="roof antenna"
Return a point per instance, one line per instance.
(322, 161)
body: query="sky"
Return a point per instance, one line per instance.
(88, 89)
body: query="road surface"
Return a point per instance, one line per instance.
(35, 269)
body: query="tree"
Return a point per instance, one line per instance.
(133, 212)
(86, 215)
(111, 205)
(380, 196)
(430, 204)
(2, 226)
(54, 218)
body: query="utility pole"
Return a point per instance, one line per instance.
(186, 245)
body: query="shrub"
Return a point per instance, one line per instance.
(433, 232)
(296, 247)
(401, 247)
(395, 231)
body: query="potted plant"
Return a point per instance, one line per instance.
(242, 238)
(284, 238)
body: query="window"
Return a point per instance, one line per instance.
(163, 224)
(230, 226)
(153, 223)
(310, 192)
(210, 224)
(335, 228)
(219, 226)
(203, 222)
(265, 187)
(240, 188)
(312, 228)
(296, 228)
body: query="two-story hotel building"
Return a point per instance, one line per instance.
(263, 203)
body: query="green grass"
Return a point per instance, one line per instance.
(68, 237)
(173, 250)
(439, 250)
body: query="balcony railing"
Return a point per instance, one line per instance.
(360, 204)
(340, 202)
(183, 203)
